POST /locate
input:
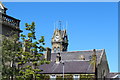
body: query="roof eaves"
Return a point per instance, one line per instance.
(69, 73)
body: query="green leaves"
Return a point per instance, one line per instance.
(31, 29)
(23, 35)
(31, 54)
(42, 39)
(30, 34)
(23, 58)
(10, 47)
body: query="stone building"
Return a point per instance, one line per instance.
(75, 64)
(8, 24)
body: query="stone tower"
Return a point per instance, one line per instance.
(59, 41)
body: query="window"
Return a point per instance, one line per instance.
(58, 49)
(53, 77)
(103, 72)
(90, 57)
(54, 50)
(76, 77)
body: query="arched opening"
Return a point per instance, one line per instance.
(58, 49)
(54, 50)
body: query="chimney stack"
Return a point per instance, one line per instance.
(58, 58)
(48, 54)
(94, 53)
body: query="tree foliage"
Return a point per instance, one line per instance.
(93, 61)
(10, 46)
(24, 56)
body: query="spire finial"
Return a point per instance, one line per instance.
(60, 24)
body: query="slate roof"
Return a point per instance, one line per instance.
(72, 63)
(69, 67)
(112, 75)
(75, 55)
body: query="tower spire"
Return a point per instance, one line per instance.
(59, 39)
(60, 24)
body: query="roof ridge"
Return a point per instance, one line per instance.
(81, 51)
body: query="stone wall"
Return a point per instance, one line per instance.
(70, 76)
(102, 68)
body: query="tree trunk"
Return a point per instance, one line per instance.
(11, 65)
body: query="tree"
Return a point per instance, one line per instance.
(21, 59)
(93, 62)
(30, 55)
(10, 46)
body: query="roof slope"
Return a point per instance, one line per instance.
(72, 63)
(113, 75)
(69, 67)
(75, 55)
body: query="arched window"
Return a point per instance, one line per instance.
(54, 50)
(58, 49)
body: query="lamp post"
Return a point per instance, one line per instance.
(63, 69)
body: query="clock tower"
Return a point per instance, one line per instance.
(59, 41)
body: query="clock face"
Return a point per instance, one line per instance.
(57, 38)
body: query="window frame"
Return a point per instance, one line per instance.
(52, 78)
(76, 78)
